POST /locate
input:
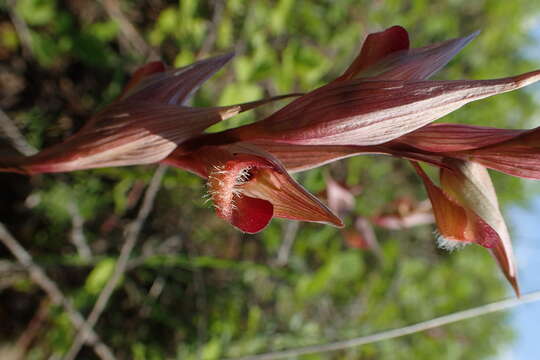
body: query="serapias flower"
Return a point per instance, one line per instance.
(467, 211)
(248, 187)
(143, 125)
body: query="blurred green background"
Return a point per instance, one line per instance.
(196, 288)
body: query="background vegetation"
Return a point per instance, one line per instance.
(195, 287)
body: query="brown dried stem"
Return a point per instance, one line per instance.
(10, 131)
(128, 33)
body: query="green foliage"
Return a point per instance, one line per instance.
(98, 277)
(199, 289)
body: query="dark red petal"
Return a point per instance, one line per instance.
(123, 135)
(13, 163)
(226, 173)
(364, 113)
(297, 158)
(270, 181)
(187, 161)
(455, 137)
(176, 86)
(419, 63)
(251, 215)
(386, 56)
(375, 48)
(518, 156)
(514, 152)
(142, 73)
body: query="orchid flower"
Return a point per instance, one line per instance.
(467, 211)
(310, 113)
(144, 125)
(248, 187)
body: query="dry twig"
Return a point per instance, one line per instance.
(22, 29)
(77, 231)
(128, 33)
(14, 135)
(49, 286)
(132, 234)
(27, 337)
(290, 229)
(211, 34)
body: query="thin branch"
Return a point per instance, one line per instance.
(22, 29)
(211, 34)
(7, 266)
(14, 135)
(40, 277)
(77, 231)
(132, 234)
(155, 291)
(290, 229)
(171, 245)
(11, 273)
(128, 32)
(27, 337)
(395, 333)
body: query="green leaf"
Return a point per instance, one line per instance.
(211, 350)
(45, 49)
(103, 31)
(91, 50)
(37, 12)
(99, 276)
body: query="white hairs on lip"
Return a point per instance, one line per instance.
(218, 169)
(224, 187)
(448, 243)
